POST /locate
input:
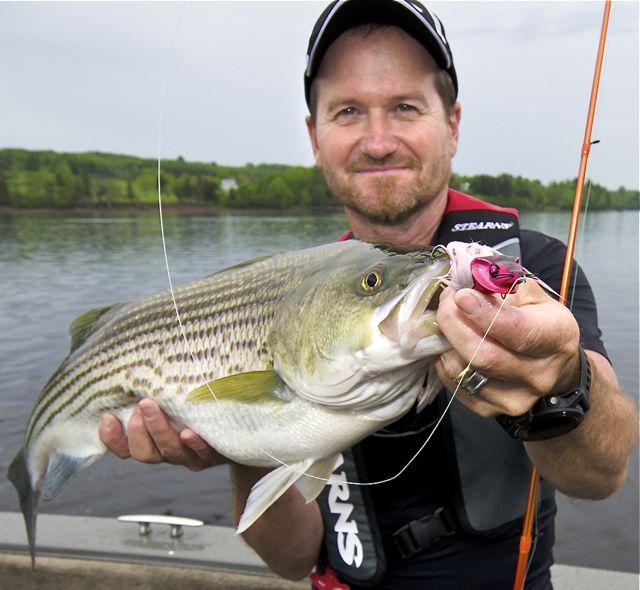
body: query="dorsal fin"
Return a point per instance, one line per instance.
(85, 324)
(241, 264)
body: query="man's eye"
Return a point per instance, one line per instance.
(347, 112)
(403, 107)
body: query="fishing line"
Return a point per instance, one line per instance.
(163, 96)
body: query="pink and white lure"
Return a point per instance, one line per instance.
(485, 269)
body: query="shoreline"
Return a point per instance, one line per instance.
(218, 210)
(182, 208)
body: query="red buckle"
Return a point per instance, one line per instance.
(328, 580)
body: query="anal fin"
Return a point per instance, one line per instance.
(62, 467)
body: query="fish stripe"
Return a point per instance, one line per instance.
(69, 401)
(115, 353)
(225, 329)
(122, 335)
(117, 391)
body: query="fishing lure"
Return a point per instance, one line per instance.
(485, 269)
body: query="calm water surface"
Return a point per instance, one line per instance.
(55, 266)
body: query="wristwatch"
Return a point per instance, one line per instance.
(553, 415)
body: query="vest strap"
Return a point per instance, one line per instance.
(419, 535)
(352, 542)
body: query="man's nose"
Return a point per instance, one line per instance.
(378, 140)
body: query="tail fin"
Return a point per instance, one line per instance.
(18, 474)
(60, 469)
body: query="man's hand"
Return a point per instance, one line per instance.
(531, 350)
(151, 439)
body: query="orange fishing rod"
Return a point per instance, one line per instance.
(532, 499)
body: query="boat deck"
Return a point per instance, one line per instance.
(87, 553)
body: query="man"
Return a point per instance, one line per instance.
(383, 128)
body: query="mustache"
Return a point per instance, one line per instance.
(367, 163)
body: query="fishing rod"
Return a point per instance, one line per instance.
(530, 511)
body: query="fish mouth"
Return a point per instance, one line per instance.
(411, 316)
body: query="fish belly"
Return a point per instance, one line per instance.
(266, 434)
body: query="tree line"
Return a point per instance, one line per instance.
(38, 179)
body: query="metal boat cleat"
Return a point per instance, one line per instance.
(144, 522)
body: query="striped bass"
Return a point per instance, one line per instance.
(288, 359)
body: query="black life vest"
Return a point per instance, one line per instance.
(490, 470)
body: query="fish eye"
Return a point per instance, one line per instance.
(372, 280)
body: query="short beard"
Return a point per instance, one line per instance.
(388, 209)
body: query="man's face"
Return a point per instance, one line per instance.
(381, 134)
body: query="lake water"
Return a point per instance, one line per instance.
(55, 266)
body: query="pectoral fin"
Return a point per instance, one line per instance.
(252, 388)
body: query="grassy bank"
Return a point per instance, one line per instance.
(45, 180)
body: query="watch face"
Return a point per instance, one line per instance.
(550, 425)
(553, 415)
(546, 420)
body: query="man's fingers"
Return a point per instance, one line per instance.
(167, 441)
(195, 443)
(489, 355)
(112, 434)
(186, 449)
(523, 325)
(205, 455)
(141, 445)
(451, 364)
(493, 398)
(152, 439)
(506, 324)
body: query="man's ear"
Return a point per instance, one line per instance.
(311, 130)
(454, 127)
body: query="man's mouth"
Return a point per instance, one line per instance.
(383, 170)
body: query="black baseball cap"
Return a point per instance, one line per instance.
(409, 15)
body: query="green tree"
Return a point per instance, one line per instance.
(144, 185)
(209, 187)
(278, 194)
(4, 189)
(82, 192)
(62, 190)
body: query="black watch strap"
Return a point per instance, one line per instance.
(553, 415)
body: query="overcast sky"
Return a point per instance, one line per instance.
(88, 76)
